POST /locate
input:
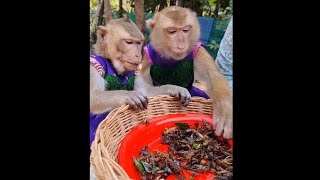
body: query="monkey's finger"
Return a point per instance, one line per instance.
(227, 133)
(186, 98)
(138, 102)
(147, 100)
(143, 100)
(185, 101)
(219, 128)
(145, 104)
(227, 130)
(131, 103)
(182, 96)
(174, 94)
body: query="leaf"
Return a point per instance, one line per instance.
(155, 168)
(147, 167)
(196, 146)
(138, 165)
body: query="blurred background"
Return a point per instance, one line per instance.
(213, 16)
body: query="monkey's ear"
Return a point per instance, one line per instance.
(102, 31)
(194, 13)
(126, 17)
(150, 23)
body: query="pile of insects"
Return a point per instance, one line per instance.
(194, 149)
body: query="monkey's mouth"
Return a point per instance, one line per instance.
(134, 64)
(179, 54)
(178, 51)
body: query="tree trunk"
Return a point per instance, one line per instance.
(198, 8)
(99, 16)
(179, 3)
(163, 4)
(100, 13)
(172, 2)
(139, 11)
(216, 10)
(192, 5)
(120, 9)
(107, 10)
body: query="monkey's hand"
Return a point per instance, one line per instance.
(222, 114)
(180, 92)
(136, 100)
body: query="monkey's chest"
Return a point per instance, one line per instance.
(180, 75)
(114, 83)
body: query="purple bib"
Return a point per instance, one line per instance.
(104, 67)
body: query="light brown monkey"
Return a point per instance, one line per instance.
(175, 58)
(117, 55)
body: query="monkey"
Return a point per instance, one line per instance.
(113, 65)
(175, 58)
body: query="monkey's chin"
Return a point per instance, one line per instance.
(130, 67)
(179, 56)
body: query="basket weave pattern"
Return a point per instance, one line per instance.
(112, 130)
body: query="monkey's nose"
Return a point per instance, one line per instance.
(181, 46)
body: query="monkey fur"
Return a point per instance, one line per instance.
(117, 55)
(175, 33)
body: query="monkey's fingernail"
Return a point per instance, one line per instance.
(185, 104)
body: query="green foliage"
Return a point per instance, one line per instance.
(149, 5)
(206, 7)
(212, 2)
(220, 26)
(213, 45)
(227, 12)
(94, 3)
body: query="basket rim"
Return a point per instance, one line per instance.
(105, 147)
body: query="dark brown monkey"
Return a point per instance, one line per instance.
(117, 55)
(174, 58)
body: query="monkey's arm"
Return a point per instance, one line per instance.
(143, 84)
(102, 100)
(218, 90)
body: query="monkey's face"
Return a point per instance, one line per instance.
(178, 36)
(174, 32)
(130, 53)
(123, 45)
(125, 53)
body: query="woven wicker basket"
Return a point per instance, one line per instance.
(112, 130)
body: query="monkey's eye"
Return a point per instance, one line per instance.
(171, 30)
(185, 30)
(129, 42)
(138, 42)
